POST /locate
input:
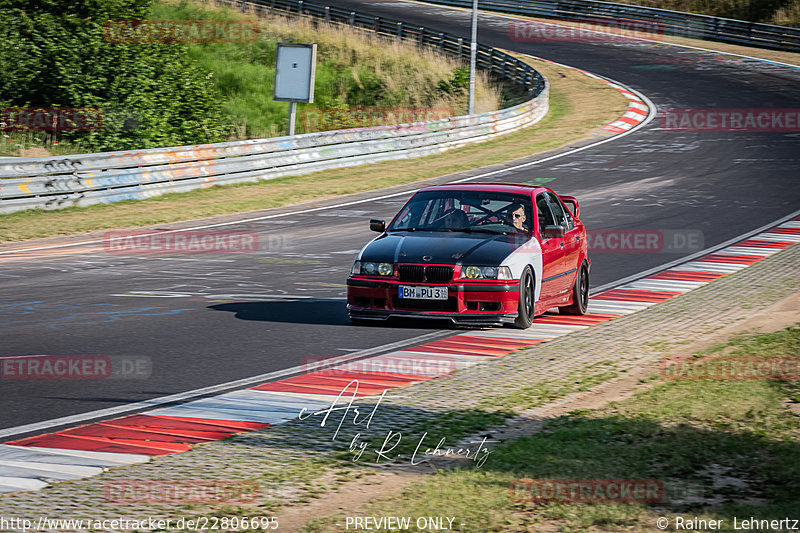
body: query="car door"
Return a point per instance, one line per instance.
(572, 242)
(552, 250)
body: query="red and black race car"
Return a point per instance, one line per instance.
(477, 254)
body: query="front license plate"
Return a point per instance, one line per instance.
(423, 293)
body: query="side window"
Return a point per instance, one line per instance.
(513, 218)
(543, 211)
(528, 205)
(570, 221)
(561, 216)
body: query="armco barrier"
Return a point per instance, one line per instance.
(79, 180)
(669, 22)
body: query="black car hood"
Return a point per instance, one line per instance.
(481, 249)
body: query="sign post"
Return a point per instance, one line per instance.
(473, 55)
(295, 66)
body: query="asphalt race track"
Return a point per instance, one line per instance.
(201, 320)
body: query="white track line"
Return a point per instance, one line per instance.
(693, 256)
(534, 18)
(649, 118)
(47, 424)
(188, 395)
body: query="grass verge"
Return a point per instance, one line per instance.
(544, 392)
(361, 80)
(781, 12)
(354, 69)
(720, 448)
(578, 106)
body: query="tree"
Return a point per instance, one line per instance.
(55, 54)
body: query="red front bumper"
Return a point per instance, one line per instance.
(484, 302)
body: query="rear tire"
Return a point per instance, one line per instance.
(525, 308)
(580, 294)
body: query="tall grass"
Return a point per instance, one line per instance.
(354, 70)
(357, 75)
(781, 12)
(788, 15)
(35, 144)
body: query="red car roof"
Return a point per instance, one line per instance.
(494, 187)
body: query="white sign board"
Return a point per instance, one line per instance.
(294, 72)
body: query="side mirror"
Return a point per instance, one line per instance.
(377, 225)
(553, 232)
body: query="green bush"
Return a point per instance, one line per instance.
(55, 55)
(167, 94)
(458, 82)
(354, 71)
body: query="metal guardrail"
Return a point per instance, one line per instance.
(664, 20)
(79, 180)
(497, 62)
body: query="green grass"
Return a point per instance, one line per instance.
(720, 448)
(578, 105)
(353, 70)
(544, 392)
(17, 143)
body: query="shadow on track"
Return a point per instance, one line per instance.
(316, 311)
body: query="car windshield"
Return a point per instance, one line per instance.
(468, 211)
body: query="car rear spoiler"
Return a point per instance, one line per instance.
(575, 208)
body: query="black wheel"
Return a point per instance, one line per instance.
(580, 294)
(526, 303)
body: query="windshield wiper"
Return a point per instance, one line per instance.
(479, 230)
(418, 229)
(487, 230)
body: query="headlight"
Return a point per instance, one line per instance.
(372, 269)
(476, 272)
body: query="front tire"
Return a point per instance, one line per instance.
(580, 294)
(525, 308)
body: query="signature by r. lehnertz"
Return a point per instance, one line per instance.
(421, 454)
